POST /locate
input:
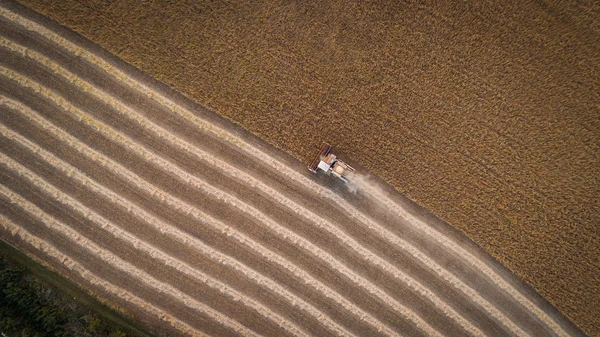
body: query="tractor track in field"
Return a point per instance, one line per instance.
(195, 227)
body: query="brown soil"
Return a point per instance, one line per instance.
(485, 114)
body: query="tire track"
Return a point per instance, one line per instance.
(232, 172)
(277, 229)
(114, 261)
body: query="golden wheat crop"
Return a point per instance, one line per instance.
(485, 113)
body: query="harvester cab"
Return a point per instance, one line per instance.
(328, 162)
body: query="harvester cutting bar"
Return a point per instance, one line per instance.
(325, 150)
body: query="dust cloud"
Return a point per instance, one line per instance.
(359, 182)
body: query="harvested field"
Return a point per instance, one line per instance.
(196, 227)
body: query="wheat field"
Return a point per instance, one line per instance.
(486, 113)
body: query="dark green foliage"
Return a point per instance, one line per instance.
(31, 308)
(25, 308)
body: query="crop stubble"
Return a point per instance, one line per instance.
(486, 114)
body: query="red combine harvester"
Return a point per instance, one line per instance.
(328, 163)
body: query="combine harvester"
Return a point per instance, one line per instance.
(328, 163)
